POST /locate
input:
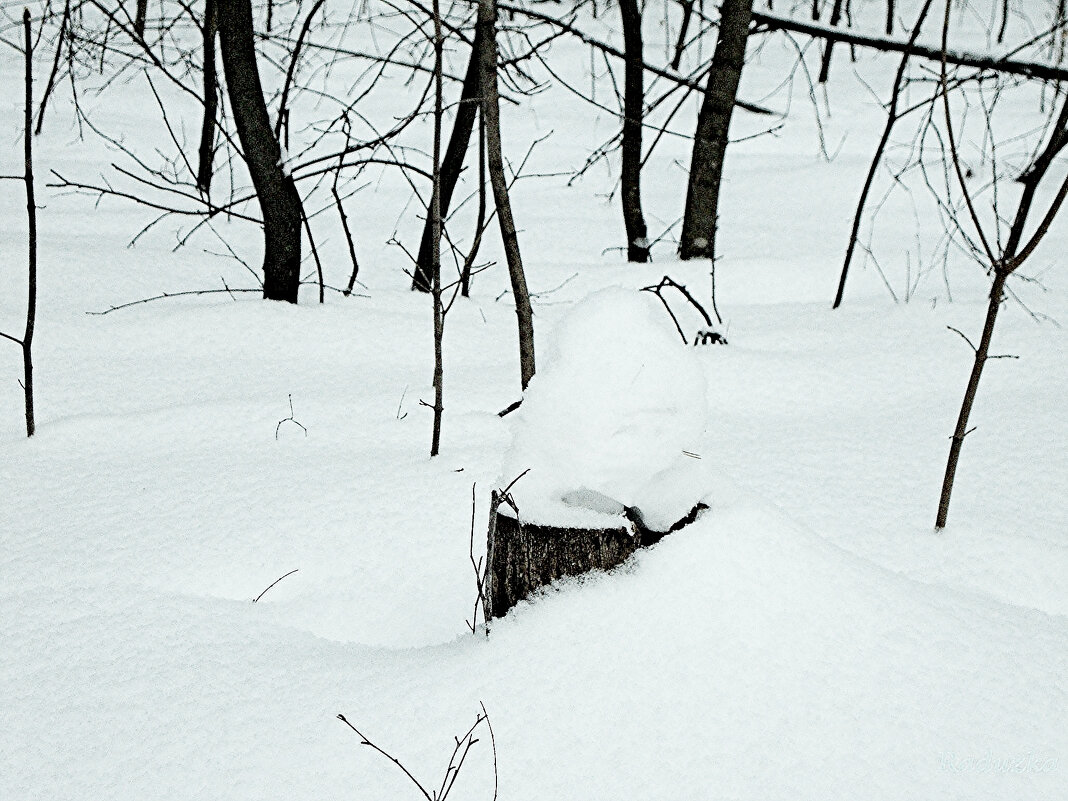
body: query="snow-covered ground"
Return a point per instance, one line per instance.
(809, 637)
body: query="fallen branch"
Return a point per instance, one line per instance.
(1028, 69)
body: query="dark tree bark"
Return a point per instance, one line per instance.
(283, 104)
(713, 122)
(1005, 266)
(982, 353)
(633, 113)
(684, 29)
(825, 65)
(1004, 20)
(480, 218)
(26, 343)
(1002, 265)
(139, 18)
(31, 214)
(211, 99)
(487, 36)
(61, 38)
(275, 189)
(451, 165)
(435, 241)
(523, 557)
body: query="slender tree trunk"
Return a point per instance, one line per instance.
(1002, 265)
(825, 66)
(487, 33)
(275, 188)
(435, 244)
(480, 218)
(684, 29)
(961, 431)
(211, 100)
(50, 85)
(451, 165)
(31, 213)
(140, 16)
(891, 120)
(633, 113)
(713, 122)
(294, 59)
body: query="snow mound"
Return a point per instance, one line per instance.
(614, 417)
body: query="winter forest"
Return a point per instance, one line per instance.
(470, 399)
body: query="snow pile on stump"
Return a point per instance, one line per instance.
(614, 418)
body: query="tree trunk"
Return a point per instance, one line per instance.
(1013, 255)
(633, 113)
(140, 16)
(451, 165)
(710, 141)
(891, 121)
(31, 214)
(961, 431)
(435, 239)
(487, 36)
(684, 29)
(523, 557)
(825, 65)
(275, 189)
(211, 100)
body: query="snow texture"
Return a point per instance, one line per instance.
(616, 412)
(809, 638)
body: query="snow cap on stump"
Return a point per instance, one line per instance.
(608, 420)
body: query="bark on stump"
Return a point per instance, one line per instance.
(524, 557)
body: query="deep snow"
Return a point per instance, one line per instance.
(809, 637)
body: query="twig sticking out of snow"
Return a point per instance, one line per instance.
(462, 747)
(480, 574)
(289, 419)
(290, 573)
(705, 336)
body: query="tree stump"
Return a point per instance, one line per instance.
(522, 557)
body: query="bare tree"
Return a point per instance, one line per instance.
(710, 141)
(452, 164)
(268, 165)
(211, 98)
(633, 114)
(892, 116)
(487, 37)
(26, 342)
(140, 18)
(435, 241)
(1001, 260)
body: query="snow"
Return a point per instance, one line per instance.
(808, 637)
(615, 413)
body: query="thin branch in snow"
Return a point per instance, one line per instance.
(289, 419)
(290, 573)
